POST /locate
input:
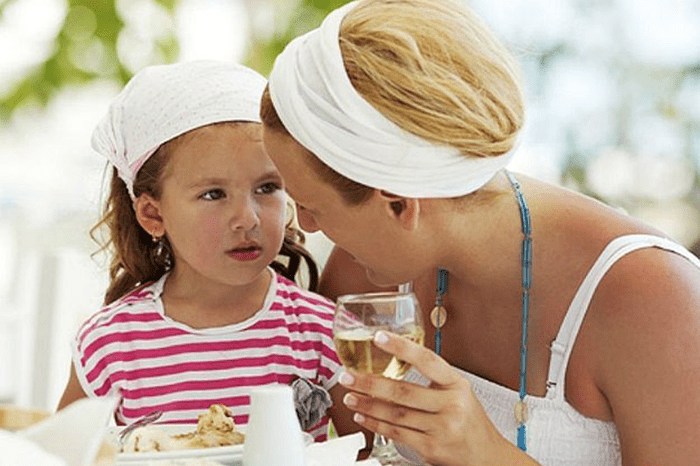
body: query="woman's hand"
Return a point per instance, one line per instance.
(444, 422)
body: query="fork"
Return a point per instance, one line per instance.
(144, 421)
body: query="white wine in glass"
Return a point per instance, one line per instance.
(357, 318)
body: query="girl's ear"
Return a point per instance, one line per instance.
(148, 215)
(403, 209)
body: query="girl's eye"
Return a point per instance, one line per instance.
(213, 195)
(268, 188)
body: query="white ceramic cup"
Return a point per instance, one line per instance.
(273, 435)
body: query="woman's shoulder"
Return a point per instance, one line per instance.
(647, 298)
(649, 276)
(572, 230)
(644, 327)
(629, 268)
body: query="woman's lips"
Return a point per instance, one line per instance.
(246, 254)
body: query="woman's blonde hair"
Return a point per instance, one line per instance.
(135, 256)
(433, 68)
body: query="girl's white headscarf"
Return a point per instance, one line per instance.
(321, 109)
(164, 101)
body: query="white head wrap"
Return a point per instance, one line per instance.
(164, 101)
(321, 109)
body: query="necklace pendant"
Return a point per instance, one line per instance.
(438, 316)
(521, 413)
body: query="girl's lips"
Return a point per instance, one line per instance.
(247, 254)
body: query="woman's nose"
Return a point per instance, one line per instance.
(245, 215)
(306, 220)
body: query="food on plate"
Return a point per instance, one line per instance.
(16, 418)
(215, 428)
(185, 462)
(182, 462)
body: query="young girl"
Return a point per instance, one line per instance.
(195, 313)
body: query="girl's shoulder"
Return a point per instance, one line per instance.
(295, 299)
(137, 306)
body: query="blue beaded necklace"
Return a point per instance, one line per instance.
(438, 316)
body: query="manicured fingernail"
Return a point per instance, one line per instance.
(350, 400)
(346, 379)
(381, 337)
(359, 418)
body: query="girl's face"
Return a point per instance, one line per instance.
(362, 230)
(223, 205)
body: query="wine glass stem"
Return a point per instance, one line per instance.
(384, 451)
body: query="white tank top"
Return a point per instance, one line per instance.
(557, 434)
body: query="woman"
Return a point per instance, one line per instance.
(392, 125)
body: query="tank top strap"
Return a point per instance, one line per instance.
(562, 346)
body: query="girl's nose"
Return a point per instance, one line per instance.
(245, 215)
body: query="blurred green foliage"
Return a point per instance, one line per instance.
(307, 15)
(89, 47)
(86, 48)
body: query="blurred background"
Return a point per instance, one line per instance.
(613, 91)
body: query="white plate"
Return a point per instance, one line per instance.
(228, 456)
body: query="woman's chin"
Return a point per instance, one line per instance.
(379, 279)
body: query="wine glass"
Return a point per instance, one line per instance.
(357, 318)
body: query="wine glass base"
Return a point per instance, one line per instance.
(390, 459)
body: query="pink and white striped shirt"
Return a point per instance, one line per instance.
(132, 349)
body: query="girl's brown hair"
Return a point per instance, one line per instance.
(135, 260)
(433, 68)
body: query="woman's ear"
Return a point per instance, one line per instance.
(148, 215)
(404, 209)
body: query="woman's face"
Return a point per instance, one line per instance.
(223, 205)
(362, 230)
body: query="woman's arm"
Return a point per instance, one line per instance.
(343, 275)
(74, 391)
(648, 324)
